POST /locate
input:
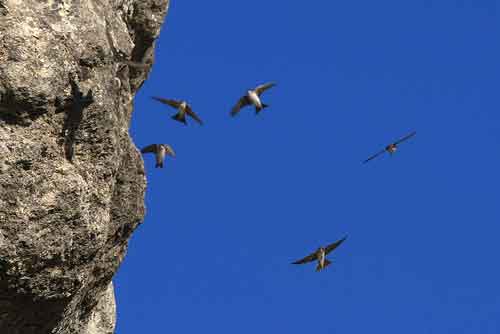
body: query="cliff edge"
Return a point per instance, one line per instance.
(71, 180)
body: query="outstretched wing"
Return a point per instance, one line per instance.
(262, 88)
(172, 103)
(191, 113)
(405, 138)
(243, 102)
(337, 243)
(169, 150)
(149, 149)
(374, 156)
(308, 258)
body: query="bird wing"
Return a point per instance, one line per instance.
(193, 115)
(308, 258)
(172, 103)
(262, 88)
(405, 138)
(374, 156)
(149, 149)
(337, 243)
(170, 150)
(243, 102)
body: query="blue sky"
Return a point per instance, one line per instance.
(246, 196)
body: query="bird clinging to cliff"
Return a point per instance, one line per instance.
(252, 97)
(391, 148)
(183, 108)
(160, 151)
(320, 255)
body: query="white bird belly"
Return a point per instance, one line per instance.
(254, 98)
(322, 259)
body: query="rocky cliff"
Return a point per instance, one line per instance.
(71, 180)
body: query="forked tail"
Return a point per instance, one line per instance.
(180, 117)
(159, 161)
(259, 108)
(319, 267)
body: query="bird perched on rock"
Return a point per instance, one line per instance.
(252, 97)
(160, 151)
(391, 148)
(320, 255)
(183, 109)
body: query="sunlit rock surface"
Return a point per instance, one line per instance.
(71, 180)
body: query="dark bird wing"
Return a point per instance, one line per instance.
(331, 247)
(172, 103)
(149, 149)
(243, 102)
(405, 138)
(191, 113)
(374, 156)
(262, 88)
(308, 258)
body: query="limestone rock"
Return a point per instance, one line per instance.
(71, 180)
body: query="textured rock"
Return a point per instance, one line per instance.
(71, 180)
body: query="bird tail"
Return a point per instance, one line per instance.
(259, 108)
(180, 117)
(319, 267)
(159, 161)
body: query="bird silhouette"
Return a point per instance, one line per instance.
(183, 109)
(252, 97)
(160, 151)
(320, 255)
(391, 148)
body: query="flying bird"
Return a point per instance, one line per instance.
(160, 151)
(183, 109)
(320, 255)
(391, 148)
(252, 97)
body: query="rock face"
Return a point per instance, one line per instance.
(71, 180)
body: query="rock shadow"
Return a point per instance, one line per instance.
(20, 107)
(74, 116)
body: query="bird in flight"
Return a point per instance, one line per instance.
(183, 109)
(252, 97)
(160, 151)
(391, 148)
(320, 255)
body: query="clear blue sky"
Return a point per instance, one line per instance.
(246, 196)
